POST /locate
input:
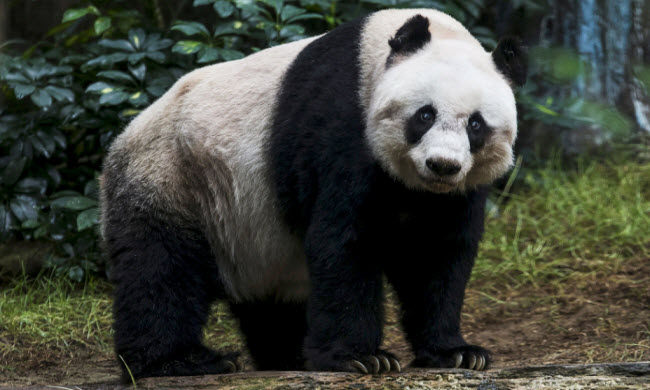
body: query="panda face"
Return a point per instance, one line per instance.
(443, 119)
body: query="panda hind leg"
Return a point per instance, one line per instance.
(165, 280)
(274, 333)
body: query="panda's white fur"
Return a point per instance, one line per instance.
(221, 115)
(456, 75)
(220, 118)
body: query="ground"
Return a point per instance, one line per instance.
(563, 277)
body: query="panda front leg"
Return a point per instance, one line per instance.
(345, 308)
(431, 292)
(165, 279)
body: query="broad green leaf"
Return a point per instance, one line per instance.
(136, 57)
(47, 141)
(236, 27)
(76, 273)
(158, 86)
(207, 54)
(13, 170)
(91, 189)
(38, 146)
(87, 218)
(32, 185)
(76, 203)
(191, 28)
(137, 37)
(116, 75)
(60, 94)
(41, 98)
(187, 47)
(157, 56)
(224, 8)
(276, 4)
(40, 232)
(100, 87)
(22, 90)
(76, 13)
(289, 11)
(304, 17)
(230, 55)
(61, 194)
(24, 207)
(30, 224)
(106, 60)
(138, 71)
(102, 24)
(118, 44)
(292, 30)
(113, 98)
(154, 43)
(36, 71)
(59, 138)
(139, 98)
(15, 77)
(202, 2)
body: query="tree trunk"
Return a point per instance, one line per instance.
(613, 38)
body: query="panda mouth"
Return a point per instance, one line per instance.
(437, 182)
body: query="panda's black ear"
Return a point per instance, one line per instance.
(411, 37)
(511, 59)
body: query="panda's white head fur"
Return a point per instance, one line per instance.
(441, 114)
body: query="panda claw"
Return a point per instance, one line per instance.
(396, 365)
(359, 366)
(384, 362)
(375, 364)
(232, 366)
(473, 363)
(481, 365)
(458, 357)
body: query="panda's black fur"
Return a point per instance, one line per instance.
(357, 224)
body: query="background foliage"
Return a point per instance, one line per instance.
(67, 96)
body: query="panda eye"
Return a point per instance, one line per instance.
(426, 116)
(475, 122)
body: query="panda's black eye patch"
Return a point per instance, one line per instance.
(477, 131)
(420, 123)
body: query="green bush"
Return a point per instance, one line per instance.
(67, 97)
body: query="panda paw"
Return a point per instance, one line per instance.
(471, 357)
(379, 363)
(382, 362)
(199, 361)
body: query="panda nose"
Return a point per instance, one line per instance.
(443, 167)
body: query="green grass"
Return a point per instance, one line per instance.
(559, 223)
(556, 225)
(51, 312)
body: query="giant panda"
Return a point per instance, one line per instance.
(290, 183)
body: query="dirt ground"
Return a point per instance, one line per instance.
(593, 318)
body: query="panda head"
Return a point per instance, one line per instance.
(442, 115)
